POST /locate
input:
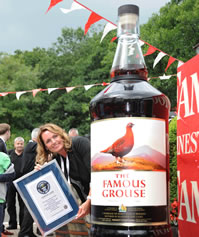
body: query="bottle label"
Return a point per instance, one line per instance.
(129, 178)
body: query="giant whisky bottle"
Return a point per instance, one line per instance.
(129, 145)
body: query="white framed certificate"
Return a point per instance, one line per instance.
(48, 197)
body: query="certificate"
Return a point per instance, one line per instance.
(48, 197)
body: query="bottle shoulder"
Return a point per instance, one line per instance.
(136, 89)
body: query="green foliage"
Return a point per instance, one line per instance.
(173, 158)
(175, 30)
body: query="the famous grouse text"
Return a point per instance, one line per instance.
(123, 187)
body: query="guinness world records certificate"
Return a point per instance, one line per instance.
(48, 197)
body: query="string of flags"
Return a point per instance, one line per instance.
(93, 18)
(50, 90)
(69, 89)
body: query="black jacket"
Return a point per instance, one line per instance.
(79, 163)
(28, 158)
(17, 161)
(3, 146)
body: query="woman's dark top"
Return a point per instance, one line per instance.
(79, 165)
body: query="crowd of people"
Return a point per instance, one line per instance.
(49, 141)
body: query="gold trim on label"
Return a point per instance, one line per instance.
(129, 224)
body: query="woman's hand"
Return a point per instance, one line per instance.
(38, 166)
(84, 209)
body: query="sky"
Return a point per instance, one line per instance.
(24, 24)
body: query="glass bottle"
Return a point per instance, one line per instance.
(129, 145)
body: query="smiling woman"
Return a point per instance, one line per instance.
(73, 156)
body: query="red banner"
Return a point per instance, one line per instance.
(188, 147)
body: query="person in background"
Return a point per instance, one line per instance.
(73, 156)
(28, 163)
(7, 174)
(4, 137)
(73, 132)
(16, 158)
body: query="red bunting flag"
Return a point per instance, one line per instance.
(3, 94)
(114, 38)
(171, 60)
(91, 20)
(150, 50)
(53, 3)
(34, 92)
(105, 84)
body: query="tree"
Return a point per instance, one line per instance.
(173, 157)
(174, 30)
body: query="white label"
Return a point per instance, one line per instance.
(129, 162)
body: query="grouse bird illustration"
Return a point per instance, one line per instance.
(123, 145)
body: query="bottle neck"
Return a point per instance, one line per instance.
(128, 61)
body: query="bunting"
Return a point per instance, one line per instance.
(69, 89)
(18, 94)
(51, 90)
(91, 20)
(94, 17)
(108, 27)
(150, 50)
(74, 6)
(53, 3)
(158, 58)
(171, 60)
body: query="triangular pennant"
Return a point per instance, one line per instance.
(74, 6)
(114, 38)
(105, 84)
(51, 90)
(69, 89)
(158, 58)
(19, 93)
(3, 93)
(108, 27)
(141, 43)
(164, 77)
(53, 3)
(87, 87)
(91, 20)
(150, 50)
(171, 60)
(35, 91)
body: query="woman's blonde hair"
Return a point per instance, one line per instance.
(42, 153)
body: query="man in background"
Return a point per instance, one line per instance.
(16, 158)
(28, 164)
(7, 174)
(4, 137)
(73, 132)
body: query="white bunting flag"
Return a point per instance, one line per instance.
(87, 87)
(74, 6)
(69, 89)
(19, 93)
(158, 58)
(108, 27)
(51, 90)
(141, 43)
(164, 77)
